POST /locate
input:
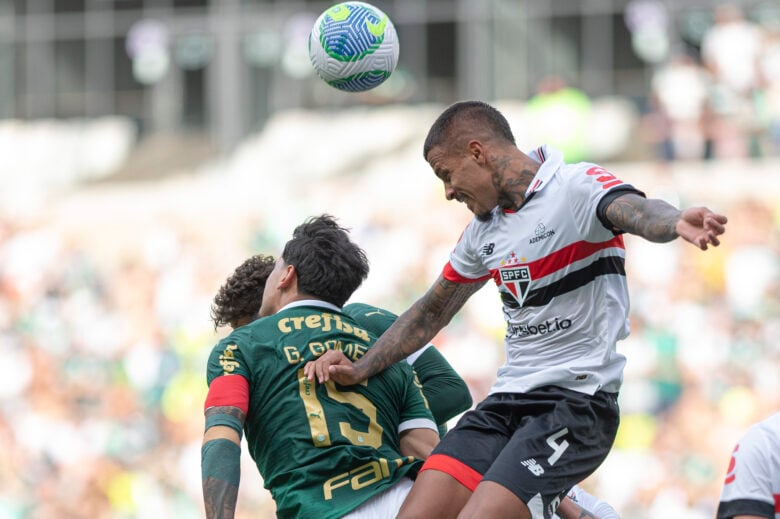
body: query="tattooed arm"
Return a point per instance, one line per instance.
(571, 510)
(658, 221)
(221, 450)
(410, 332)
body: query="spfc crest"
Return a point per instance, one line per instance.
(516, 279)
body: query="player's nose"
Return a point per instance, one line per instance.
(449, 192)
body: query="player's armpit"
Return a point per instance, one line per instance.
(418, 442)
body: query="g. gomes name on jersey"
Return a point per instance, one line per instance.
(323, 322)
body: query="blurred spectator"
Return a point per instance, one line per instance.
(558, 115)
(769, 75)
(731, 50)
(680, 93)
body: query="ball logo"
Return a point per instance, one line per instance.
(377, 29)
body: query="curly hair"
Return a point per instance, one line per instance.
(242, 294)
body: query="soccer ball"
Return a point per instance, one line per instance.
(353, 46)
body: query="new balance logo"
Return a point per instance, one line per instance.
(487, 250)
(533, 466)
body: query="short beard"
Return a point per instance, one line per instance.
(484, 217)
(505, 201)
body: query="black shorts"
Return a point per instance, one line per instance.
(537, 444)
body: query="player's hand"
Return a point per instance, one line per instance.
(332, 364)
(701, 227)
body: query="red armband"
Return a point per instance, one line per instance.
(228, 390)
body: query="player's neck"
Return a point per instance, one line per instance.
(514, 180)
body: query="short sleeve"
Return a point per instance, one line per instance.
(747, 489)
(465, 263)
(586, 186)
(414, 412)
(226, 358)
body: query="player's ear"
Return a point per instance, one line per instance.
(476, 150)
(288, 277)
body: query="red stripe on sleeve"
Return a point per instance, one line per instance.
(228, 390)
(465, 475)
(450, 274)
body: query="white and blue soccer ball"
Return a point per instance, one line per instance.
(353, 46)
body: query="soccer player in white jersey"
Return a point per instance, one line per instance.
(751, 489)
(548, 234)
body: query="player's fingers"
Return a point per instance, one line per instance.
(341, 374)
(714, 240)
(308, 370)
(714, 225)
(323, 374)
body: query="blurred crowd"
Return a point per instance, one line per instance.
(105, 330)
(105, 292)
(720, 99)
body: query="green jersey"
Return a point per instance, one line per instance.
(322, 449)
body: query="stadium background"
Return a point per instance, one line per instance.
(148, 146)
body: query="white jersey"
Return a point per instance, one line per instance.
(560, 273)
(752, 485)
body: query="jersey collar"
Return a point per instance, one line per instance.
(311, 302)
(551, 161)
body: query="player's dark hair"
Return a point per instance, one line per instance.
(329, 265)
(242, 294)
(476, 115)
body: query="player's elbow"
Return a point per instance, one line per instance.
(221, 432)
(418, 442)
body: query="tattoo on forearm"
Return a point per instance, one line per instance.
(584, 514)
(219, 498)
(450, 298)
(419, 324)
(654, 220)
(226, 409)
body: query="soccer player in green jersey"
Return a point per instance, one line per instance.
(238, 303)
(323, 450)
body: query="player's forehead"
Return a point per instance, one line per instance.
(439, 160)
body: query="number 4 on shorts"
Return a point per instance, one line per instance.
(558, 448)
